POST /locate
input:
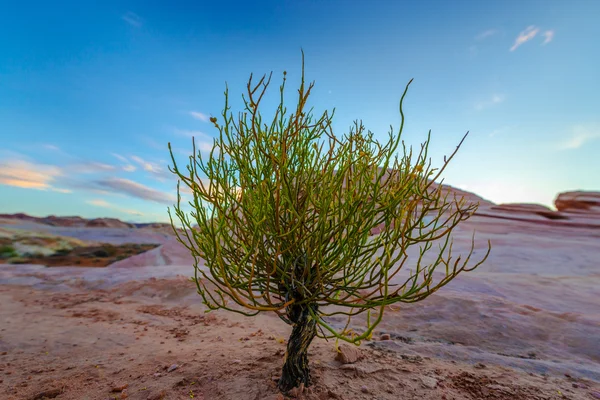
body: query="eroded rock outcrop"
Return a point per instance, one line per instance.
(579, 202)
(108, 223)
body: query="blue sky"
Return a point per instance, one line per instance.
(91, 92)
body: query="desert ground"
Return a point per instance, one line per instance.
(524, 325)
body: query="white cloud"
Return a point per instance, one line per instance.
(486, 34)
(54, 189)
(127, 167)
(99, 203)
(91, 167)
(580, 135)
(204, 146)
(133, 189)
(120, 157)
(525, 36)
(106, 204)
(201, 116)
(495, 99)
(148, 166)
(205, 143)
(502, 130)
(29, 175)
(132, 19)
(189, 133)
(51, 147)
(548, 36)
(159, 172)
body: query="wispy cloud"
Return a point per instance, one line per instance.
(579, 136)
(486, 34)
(132, 19)
(147, 166)
(525, 36)
(29, 175)
(153, 143)
(127, 167)
(91, 167)
(503, 130)
(106, 204)
(52, 147)
(120, 157)
(495, 99)
(99, 203)
(134, 189)
(189, 133)
(203, 141)
(548, 36)
(201, 116)
(155, 169)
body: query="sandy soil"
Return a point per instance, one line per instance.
(523, 326)
(152, 340)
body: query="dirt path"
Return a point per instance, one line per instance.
(152, 340)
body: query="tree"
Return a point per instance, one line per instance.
(291, 218)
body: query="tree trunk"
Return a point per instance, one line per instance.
(295, 369)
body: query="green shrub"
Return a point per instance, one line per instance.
(107, 250)
(285, 216)
(7, 251)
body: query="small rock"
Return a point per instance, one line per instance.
(595, 395)
(47, 394)
(412, 358)
(158, 374)
(364, 389)
(377, 353)
(172, 368)
(385, 336)
(429, 382)
(119, 388)
(480, 366)
(237, 361)
(333, 394)
(348, 354)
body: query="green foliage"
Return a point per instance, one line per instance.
(292, 217)
(107, 250)
(7, 251)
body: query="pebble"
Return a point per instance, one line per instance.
(364, 389)
(348, 354)
(385, 336)
(120, 388)
(172, 368)
(429, 382)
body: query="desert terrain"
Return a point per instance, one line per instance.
(126, 322)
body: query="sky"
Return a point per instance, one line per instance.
(92, 92)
